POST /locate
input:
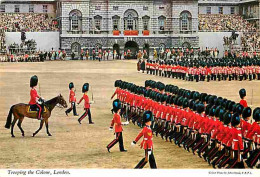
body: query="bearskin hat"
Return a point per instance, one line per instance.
(147, 116)
(212, 111)
(33, 81)
(247, 112)
(200, 108)
(185, 103)
(235, 120)
(191, 103)
(242, 93)
(227, 118)
(116, 105)
(85, 87)
(256, 114)
(203, 97)
(71, 85)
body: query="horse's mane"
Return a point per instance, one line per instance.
(51, 101)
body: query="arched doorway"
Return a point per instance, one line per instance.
(147, 48)
(133, 47)
(117, 49)
(76, 49)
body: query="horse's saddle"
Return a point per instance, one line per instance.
(34, 109)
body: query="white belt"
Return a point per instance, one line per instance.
(258, 135)
(235, 140)
(147, 139)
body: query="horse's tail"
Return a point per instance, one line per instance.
(9, 118)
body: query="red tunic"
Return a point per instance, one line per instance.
(147, 142)
(86, 99)
(243, 103)
(254, 133)
(72, 96)
(116, 122)
(34, 95)
(237, 142)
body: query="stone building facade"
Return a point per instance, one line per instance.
(124, 24)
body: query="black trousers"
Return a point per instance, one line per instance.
(73, 107)
(86, 113)
(119, 138)
(147, 158)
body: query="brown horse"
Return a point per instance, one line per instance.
(21, 110)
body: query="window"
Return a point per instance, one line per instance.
(75, 20)
(232, 10)
(17, 8)
(220, 10)
(130, 20)
(146, 22)
(2, 8)
(161, 22)
(98, 8)
(31, 8)
(185, 19)
(161, 8)
(116, 22)
(145, 8)
(44, 8)
(115, 8)
(208, 10)
(97, 21)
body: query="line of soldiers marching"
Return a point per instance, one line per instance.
(215, 128)
(200, 71)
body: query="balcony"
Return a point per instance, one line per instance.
(146, 32)
(116, 33)
(131, 33)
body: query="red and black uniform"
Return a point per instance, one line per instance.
(116, 123)
(243, 103)
(237, 147)
(86, 108)
(72, 100)
(147, 145)
(33, 101)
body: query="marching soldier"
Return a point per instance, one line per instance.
(117, 124)
(86, 104)
(72, 100)
(242, 94)
(147, 143)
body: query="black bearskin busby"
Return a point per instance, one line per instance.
(85, 87)
(33, 81)
(242, 93)
(247, 112)
(235, 120)
(71, 85)
(116, 105)
(147, 116)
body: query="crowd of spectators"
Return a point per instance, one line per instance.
(250, 37)
(28, 22)
(224, 22)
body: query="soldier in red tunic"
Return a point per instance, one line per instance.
(86, 105)
(147, 143)
(237, 143)
(72, 100)
(35, 98)
(117, 124)
(243, 101)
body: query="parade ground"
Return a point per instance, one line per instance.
(84, 146)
